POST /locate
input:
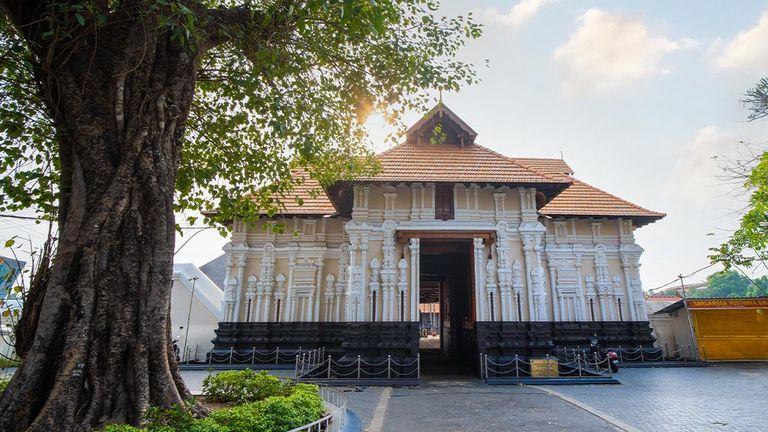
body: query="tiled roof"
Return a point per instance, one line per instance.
(547, 166)
(452, 163)
(581, 199)
(315, 200)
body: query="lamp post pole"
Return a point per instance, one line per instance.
(189, 315)
(688, 315)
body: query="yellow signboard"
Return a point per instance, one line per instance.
(726, 303)
(543, 367)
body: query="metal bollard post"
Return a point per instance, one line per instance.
(578, 364)
(231, 351)
(418, 366)
(485, 363)
(517, 367)
(389, 366)
(480, 365)
(303, 362)
(210, 357)
(358, 366)
(329, 368)
(548, 375)
(253, 355)
(277, 355)
(608, 363)
(621, 359)
(642, 360)
(296, 367)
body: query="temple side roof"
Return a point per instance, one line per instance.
(307, 198)
(583, 200)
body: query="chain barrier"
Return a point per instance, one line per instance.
(314, 367)
(579, 367)
(253, 356)
(682, 353)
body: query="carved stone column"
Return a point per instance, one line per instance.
(402, 288)
(330, 297)
(482, 310)
(517, 287)
(279, 296)
(240, 271)
(492, 299)
(374, 286)
(504, 269)
(388, 272)
(252, 307)
(413, 248)
(290, 297)
(316, 294)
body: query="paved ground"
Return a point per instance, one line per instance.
(457, 405)
(723, 397)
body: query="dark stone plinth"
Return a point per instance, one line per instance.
(340, 339)
(510, 338)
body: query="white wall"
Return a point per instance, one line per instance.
(206, 310)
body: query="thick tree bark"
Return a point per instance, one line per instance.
(101, 350)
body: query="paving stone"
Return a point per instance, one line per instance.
(723, 397)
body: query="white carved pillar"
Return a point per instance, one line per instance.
(413, 247)
(252, 307)
(363, 275)
(240, 271)
(517, 288)
(482, 311)
(342, 283)
(316, 294)
(627, 264)
(290, 296)
(330, 294)
(374, 290)
(402, 288)
(279, 296)
(557, 300)
(504, 268)
(493, 300)
(353, 290)
(388, 271)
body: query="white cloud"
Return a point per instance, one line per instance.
(610, 50)
(697, 179)
(521, 12)
(748, 50)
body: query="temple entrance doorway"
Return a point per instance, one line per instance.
(446, 308)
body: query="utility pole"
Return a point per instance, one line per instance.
(688, 315)
(189, 315)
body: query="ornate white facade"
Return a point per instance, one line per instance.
(535, 269)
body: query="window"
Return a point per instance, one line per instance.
(444, 201)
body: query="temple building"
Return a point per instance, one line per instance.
(509, 256)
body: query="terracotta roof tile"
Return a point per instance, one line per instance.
(451, 163)
(315, 200)
(544, 165)
(581, 199)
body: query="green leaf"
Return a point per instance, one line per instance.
(10, 242)
(80, 19)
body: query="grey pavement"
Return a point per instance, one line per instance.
(723, 397)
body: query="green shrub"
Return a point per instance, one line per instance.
(241, 387)
(292, 406)
(175, 418)
(302, 405)
(121, 428)
(4, 385)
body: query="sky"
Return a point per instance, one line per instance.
(642, 99)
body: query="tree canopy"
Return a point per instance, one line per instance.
(281, 84)
(748, 245)
(732, 284)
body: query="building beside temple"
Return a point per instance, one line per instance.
(519, 255)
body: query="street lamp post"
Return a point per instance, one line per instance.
(688, 315)
(189, 316)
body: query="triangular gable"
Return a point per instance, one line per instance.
(440, 114)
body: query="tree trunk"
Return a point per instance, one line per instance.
(101, 351)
